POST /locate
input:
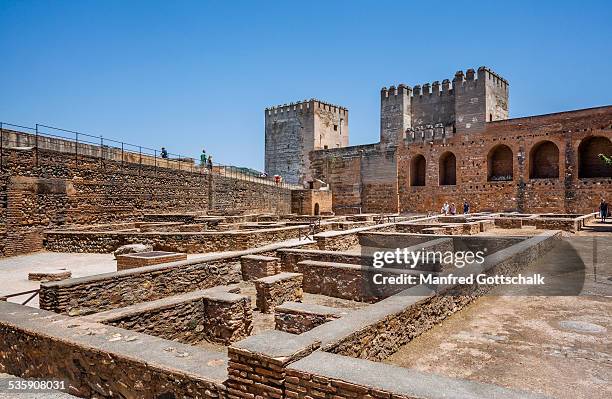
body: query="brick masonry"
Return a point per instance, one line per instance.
(297, 318)
(550, 162)
(49, 189)
(102, 292)
(275, 290)
(254, 267)
(212, 315)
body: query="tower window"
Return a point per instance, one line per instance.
(335, 128)
(490, 117)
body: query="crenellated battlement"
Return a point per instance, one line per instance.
(393, 91)
(306, 106)
(465, 103)
(447, 86)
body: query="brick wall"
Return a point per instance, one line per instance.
(212, 315)
(101, 361)
(114, 290)
(45, 189)
(188, 242)
(369, 178)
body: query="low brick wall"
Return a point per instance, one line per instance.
(346, 281)
(508, 223)
(325, 375)
(213, 315)
(349, 239)
(93, 294)
(141, 259)
(188, 242)
(289, 258)
(379, 330)
(569, 225)
(258, 266)
(274, 290)
(292, 256)
(102, 361)
(257, 365)
(297, 318)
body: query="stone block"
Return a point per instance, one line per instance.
(297, 318)
(254, 267)
(50, 275)
(141, 259)
(274, 290)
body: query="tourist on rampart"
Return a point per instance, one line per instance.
(603, 210)
(164, 153)
(203, 158)
(453, 209)
(209, 163)
(466, 207)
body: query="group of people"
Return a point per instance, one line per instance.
(452, 208)
(204, 160)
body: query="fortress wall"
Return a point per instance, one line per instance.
(566, 193)
(48, 189)
(362, 178)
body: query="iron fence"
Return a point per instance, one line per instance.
(46, 137)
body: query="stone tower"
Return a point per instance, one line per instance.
(293, 130)
(441, 110)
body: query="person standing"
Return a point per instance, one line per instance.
(209, 163)
(453, 209)
(203, 158)
(466, 207)
(603, 210)
(445, 208)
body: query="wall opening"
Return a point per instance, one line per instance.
(499, 162)
(544, 161)
(448, 169)
(417, 170)
(316, 208)
(589, 163)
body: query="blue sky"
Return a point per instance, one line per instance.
(193, 74)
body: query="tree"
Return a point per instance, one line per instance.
(606, 159)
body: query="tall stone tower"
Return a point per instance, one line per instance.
(440, 110)
(293, 130)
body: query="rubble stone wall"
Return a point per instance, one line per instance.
(49, 189)
(274, 290)
(211, 315)
(102, 361)
(102, 292)
(187, 242)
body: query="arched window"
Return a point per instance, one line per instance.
(499, 163)
(447, 171)
(544, 161)
(417, 171)
(316, 208)
(589, 163)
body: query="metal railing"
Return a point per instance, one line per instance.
(33, 295)
(45, 137)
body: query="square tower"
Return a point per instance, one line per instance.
(293, 130)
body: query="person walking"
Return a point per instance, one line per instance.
(603, 210)
(466, 207)
(453, 209)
